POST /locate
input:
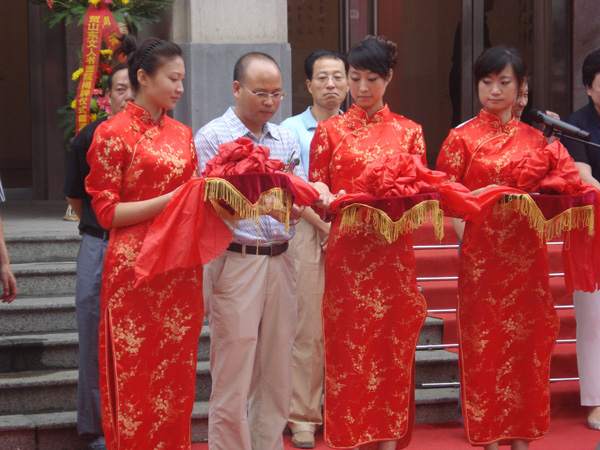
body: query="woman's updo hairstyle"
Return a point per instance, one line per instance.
(495, 59)
(376, 54)
(149, 55)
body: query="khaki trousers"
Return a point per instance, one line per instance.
(307, 354)
(251, 308)
(587, 315)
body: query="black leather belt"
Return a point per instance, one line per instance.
(100, 234)
(265, 250)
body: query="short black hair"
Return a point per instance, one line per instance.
(495, 59)
(239, 70)
(120, 66)
(309, 62)
(374, 53)
(590, 68)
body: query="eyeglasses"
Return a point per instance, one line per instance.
(322, 79)
(276, 96)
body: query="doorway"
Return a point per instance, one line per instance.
(15, 121)
(438, 43)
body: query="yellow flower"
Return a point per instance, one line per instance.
(73, 104)
(94, 2)
(106, 52)
(93, 117)
(76, 74)
(125, 2)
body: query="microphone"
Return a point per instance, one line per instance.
(551, 123)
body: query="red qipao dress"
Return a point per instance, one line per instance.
(507, 323)
(149, 334)
(372, 309)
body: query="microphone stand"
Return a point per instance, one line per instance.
(549, 131)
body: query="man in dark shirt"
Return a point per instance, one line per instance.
(587, 158)
(587, 305)
(94, 240)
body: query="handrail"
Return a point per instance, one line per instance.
(442, 346)
(449, 246)
(447, 311)
(456, 384)
(455, 278)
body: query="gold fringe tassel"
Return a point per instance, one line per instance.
(357, 213)
(277, 199)
(576, 218)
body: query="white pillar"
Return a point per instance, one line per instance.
(213, 35)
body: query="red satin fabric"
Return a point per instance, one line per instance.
(395, 183)
(372, 309)
(397, 175)
(394, 207)
(241, 157)
(506, 319)
(253, 185)
(148, 335)
(353, 140)
(187, 222)
(249, 169)
(551, 170)
(547, 170)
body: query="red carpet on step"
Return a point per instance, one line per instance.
(568, 429)
(567, 432)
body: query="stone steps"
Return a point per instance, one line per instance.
(29, 249)
(38, 347)
(57, 350)
(24, 349)
(57, 430)
(38, 315)
(45, 278)
(50, 390)
(56, 389)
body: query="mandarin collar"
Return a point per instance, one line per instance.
(360, 118)
(143, 115)
(378, 116)
(496, 121)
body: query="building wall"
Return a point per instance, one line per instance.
(213, 35)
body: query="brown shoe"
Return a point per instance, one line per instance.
(303, 439)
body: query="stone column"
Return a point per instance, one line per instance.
(213, 35)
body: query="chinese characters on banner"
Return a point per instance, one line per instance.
(99, 24)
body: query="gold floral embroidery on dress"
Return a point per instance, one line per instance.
(370, 325)
(148, 364)
(507, 328)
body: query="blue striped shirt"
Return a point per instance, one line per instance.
(283, 146)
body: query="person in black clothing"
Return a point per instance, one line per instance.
(587, 159)
(587, 305)
(94, 240)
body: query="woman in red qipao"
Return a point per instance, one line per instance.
(506, 319)
(372, 309)
(148, 334)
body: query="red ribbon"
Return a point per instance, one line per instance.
(99, 24)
